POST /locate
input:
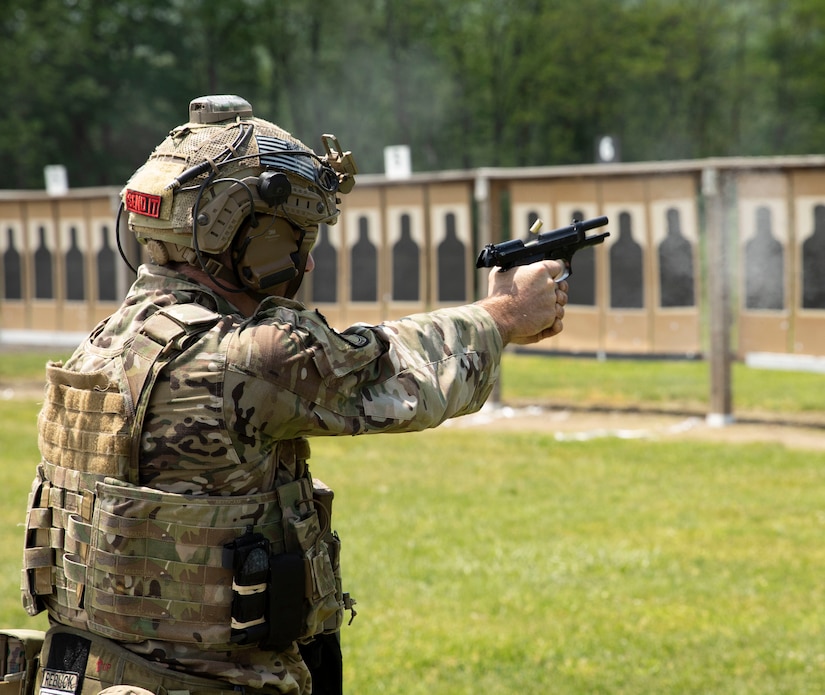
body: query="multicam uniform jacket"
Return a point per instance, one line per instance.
(225, 418)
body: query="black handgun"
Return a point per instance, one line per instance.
(557, 245)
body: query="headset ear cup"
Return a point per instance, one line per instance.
(301, 257)
(263, 256)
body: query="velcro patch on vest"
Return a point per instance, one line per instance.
(66, 657)
(59, 682)
(142, 203)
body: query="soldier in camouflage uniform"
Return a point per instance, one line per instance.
(174, 533)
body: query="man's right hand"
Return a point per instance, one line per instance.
(526, 303)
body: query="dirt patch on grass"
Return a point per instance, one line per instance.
(569, 424)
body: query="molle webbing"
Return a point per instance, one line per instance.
(57, 537)
(157, 563)
(132, 563)
(85, 423)
(152, 564)
(85, 435)
(94, 663)
(19, 660)
(89, 430)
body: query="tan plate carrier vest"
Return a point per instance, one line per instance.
(108, 556)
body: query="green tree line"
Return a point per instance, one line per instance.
(96, 84)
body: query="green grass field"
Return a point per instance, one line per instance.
(488, 562)
(667, 385)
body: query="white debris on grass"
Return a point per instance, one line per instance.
(492, 414)
(620, 433)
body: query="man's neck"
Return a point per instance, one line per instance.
(243, 300)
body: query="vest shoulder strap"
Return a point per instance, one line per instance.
(164, 334)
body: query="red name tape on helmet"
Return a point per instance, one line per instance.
(143, 203)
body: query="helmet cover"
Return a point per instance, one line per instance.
(221, 179)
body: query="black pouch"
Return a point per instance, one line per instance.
(250, 587)
(287, 593)
(268, 593)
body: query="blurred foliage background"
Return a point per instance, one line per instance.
(96, 84)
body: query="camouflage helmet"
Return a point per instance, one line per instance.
(236, 195)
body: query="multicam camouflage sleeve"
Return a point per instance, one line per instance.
(405, 375)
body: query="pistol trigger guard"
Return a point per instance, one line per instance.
(565, 272)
